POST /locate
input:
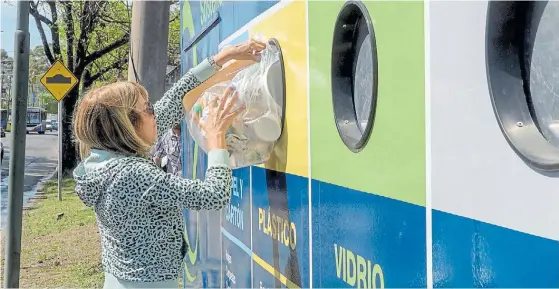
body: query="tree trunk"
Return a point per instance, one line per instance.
(69, 148)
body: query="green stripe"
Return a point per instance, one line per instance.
(393, 162)
(195, 161)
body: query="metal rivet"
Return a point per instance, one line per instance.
(519, 124)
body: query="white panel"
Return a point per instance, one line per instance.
(475, 173)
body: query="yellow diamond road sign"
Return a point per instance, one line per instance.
(59, 80)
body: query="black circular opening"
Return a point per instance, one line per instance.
(522, 69)
(354, 75)
(278, 89)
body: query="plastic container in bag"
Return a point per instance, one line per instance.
(251, 138)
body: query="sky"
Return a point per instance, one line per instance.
(8, 21)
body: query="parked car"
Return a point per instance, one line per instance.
(54, 124)
(49, 125)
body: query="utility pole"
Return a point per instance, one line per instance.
(17, 158)
(148, 46)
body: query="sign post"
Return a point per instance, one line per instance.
(20, 95)
(59, 81)
(59, 173)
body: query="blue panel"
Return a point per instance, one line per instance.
(232, 16)
(236, 257)
(235, 263)
(210, 248)
(381, 238)
(280, 203)
(263, 279)
(236, 217)
(470, 253)
(206, 228)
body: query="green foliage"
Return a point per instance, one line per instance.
(38, 64)
(173, 48)
(91, 38)
(96, 25)
(114, 24)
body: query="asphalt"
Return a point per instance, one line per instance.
(41, 159)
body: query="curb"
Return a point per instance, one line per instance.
(40, 186)
(39, 191)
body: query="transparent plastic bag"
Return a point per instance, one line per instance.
(251, 137)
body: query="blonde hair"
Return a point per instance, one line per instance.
(107, 118)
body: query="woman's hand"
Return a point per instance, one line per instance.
(219, 119)
(249, 50)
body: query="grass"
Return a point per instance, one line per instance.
(64, 252)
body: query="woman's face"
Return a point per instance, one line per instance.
(147, 129)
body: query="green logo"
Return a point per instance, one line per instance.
(188, 23)
(192, 254)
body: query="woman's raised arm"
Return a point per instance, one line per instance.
(169, 109)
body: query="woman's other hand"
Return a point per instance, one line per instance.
(219, 119)
(249, 50)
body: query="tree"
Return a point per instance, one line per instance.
(38, 66)
(91, 38)
(173, 48)
(6, 72)
(48, 102)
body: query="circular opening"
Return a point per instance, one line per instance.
(542, 69)
(354, 75)
(522, 65)
(275, 81)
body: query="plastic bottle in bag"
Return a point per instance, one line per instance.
(251, 137)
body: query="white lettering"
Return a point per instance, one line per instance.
(230, 275)
(228, 257)
(235, 216)
(237, 187)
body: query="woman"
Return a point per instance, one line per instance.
(137, 205)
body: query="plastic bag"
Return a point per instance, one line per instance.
(251, 138)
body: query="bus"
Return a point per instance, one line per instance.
(36, 120)
(419, 148)
(4, 118)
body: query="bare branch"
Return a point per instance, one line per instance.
(117, 64)
(99, 53)
(69, 33)
(91, 11)
(54, 29)
(37, 16)
(35, 13)
(112, 20)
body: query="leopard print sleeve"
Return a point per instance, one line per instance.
(169, 109)
(167, 190)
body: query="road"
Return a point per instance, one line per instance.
(41, 159)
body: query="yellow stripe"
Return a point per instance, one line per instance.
(290, 154)
(274, 272)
